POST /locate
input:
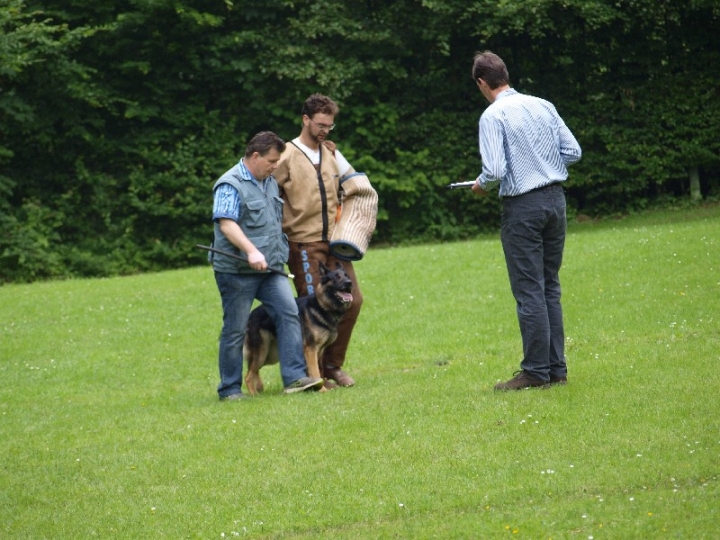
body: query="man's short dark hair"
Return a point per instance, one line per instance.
(489, 67)
(318, 103)
(263, 142)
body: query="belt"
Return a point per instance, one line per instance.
(546, 186)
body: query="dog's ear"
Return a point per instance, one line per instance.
(325, 276)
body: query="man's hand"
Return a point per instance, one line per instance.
(257, 261)
(478, 190)
(330, 145)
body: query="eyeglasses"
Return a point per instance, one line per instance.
(322, 127)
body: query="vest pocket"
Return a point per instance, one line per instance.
(260, 242)
(256, 216)
(279, 203)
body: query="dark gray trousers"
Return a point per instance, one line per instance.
(533, 238)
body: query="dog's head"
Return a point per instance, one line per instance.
(336, 285)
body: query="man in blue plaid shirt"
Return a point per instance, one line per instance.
(247, 211)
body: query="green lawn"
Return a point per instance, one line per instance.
(110, 425)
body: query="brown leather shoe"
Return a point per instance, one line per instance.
(558, 380)
(339, 376)
(520, 381)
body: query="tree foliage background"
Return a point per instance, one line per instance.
(118, 116)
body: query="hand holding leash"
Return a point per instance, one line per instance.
(256, 260)
(238, 257)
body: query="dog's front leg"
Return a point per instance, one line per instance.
(312, 364)
(311, 361)
(253, 382)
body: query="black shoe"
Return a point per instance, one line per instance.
(234, 397)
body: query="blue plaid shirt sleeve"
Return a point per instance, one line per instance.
(226, 203)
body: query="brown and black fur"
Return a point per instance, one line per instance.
(320, 314)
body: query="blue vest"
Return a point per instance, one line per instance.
(260, 220)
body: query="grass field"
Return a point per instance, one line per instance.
(110, 426)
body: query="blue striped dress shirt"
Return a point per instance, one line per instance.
(524, 144)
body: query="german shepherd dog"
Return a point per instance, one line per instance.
(320, 314)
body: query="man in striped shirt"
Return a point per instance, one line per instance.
(525, 148)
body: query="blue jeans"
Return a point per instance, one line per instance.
(533, 238)
(237, 292)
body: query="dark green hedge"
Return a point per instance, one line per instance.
(118, 116)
